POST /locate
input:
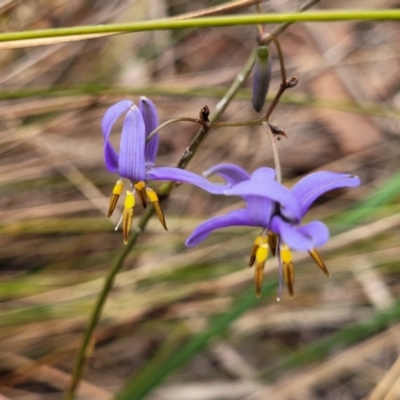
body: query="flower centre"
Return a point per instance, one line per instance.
(144, 193)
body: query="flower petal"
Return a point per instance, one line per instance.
(308, 189)
(303, 238)
(316, 231)
(181, 175)
(234, 218)
(230, 172)
(260, 210)
(131, 157)
(111, 115)
(262, 183)
(150, 117)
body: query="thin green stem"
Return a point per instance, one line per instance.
(84, 350)
(221, 21)
(163, 192)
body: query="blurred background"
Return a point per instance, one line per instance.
(337, 339)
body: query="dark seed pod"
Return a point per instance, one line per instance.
(261, 77)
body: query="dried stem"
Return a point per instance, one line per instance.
(274, 151)
(172, 121)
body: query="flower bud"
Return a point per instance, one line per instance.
(261, 77)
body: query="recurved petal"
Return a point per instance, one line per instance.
(131, 156)
(291, 235)
(111, 115)
(234, 218)
(308, 189)
(230, 172)
(316, 231)
(181, 175)
(150, 117)
(262, 183)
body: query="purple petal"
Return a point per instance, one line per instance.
(180, 175)
(316, 231)
(230, 172)
(260, 210)
(131, 157)
(263, 174)
(304, 238)
(111, 115)
(262, 183)
(308, 189)
(234, 218)
(290, 235)
(150, 117)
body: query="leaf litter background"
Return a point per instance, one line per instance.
(338, 338)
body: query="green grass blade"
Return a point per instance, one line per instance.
(169, 360)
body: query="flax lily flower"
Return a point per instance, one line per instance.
(136, 158)
(278, 211)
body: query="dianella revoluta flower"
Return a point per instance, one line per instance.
(136, 157)
(278, 211)
(261, 77)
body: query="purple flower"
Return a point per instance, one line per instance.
(278, 211)
(136, 157)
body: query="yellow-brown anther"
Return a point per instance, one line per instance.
(141, 189)
(273, 242)
(288, 269)
(127, 215)
(115, 196)
(154, 199)
(318, 260)
(253, 250)
(261, 257)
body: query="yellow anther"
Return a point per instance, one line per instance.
(140, 185)
(261, 257)
(118, 187)
(288, 273)
(286, 254)
(253, 250)
(259, 278)
(141, 189)
(154, 199)
(115, 196)
(262, 253)
(288, 268)
(273, 242)
(318, 260)
(152, 195)
(127, 215)
(129, 200)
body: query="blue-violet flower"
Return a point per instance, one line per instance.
(136, 157)
(277, 210)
